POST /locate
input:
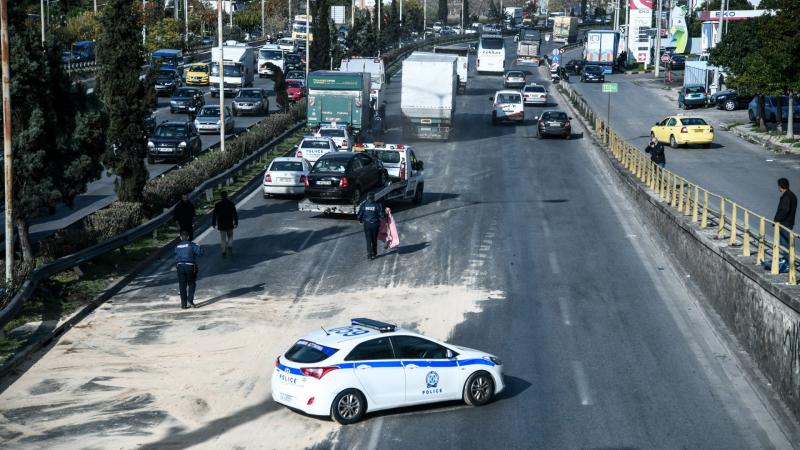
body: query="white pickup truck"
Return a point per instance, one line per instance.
(406, 180)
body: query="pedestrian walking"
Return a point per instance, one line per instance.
(184, 214)
(186, 253)
(656, 151)
(387, 232)
(787, 208)
(370, 214)
(225, 219)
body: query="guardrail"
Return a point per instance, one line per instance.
(730, 222)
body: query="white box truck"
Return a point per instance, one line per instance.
(428, 95)
(377, 74)
(462, 68)
(239, 67)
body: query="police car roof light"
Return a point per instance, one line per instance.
(383, 327)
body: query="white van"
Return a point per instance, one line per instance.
(287, 44)
(270, 53)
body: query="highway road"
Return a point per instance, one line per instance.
(522, 247)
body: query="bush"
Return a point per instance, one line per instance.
(114, 220)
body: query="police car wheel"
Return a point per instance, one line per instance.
(348, 407)
(479, 389)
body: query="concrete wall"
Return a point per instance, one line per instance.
(763, 311)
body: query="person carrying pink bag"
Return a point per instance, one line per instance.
(388, 230)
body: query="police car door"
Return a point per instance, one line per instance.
(379, 372)
(430, 375)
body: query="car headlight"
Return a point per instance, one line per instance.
(173, 103)
(182, 144)
(493, 360)
(219, 122)
(150, 144)
(196, 123)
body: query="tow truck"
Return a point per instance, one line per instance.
(406, 179)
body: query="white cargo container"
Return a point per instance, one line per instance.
(428, 94)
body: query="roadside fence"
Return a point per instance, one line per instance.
(729, 222)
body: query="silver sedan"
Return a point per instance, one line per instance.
(208, 120)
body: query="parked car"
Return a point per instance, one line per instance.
(692, 95)
(208, 120)
(286, 175)
(730, 100)
(553, 123)
(251, 101)
(186, 100)
(575, 66)
(173, 140)
(514, 79)
(344, 176)
(677, 62)
(507, 106)
(593, 72)
(534, 94)
(167, 80)
(680, 130)
(771, 108)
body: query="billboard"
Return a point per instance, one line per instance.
(678, 30)
(338, 15)
(641, 20)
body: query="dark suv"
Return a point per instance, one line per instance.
(186, 100)
(167, 80)
(173, 140)
(593, 73)
(344, 176)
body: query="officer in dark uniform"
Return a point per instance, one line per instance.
(186, 253)
(370, 214)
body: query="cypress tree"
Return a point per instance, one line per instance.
(321, 45)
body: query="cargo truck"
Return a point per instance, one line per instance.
(513, 15)
(374, 67)
(239, 67)
(462, 67)
(341, 98)
(601, 48)
(428, 95)
(565, 29)
(528, 53)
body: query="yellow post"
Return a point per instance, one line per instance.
(640, 165)
(760, 254)
(746, 234)
(694, 205)
(733, 225)
(680, 196)
(686, 210)
(664, 179)
(704, 218)
(776, 248)
(721, 231)
(792, 271)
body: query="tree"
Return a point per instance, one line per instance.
(494, 11)
(321, 45)
(166, 33)
(392, 33)
(125, 97)
(361, 39)
(57, 129)
(442, 12)
(412, 16)
(279, 85)
(465, 13)
(81, 27)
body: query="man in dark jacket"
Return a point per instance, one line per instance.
(370, 214)
(186, 253)
(225, 219)
(184, 215)
(787, 207)
(656, 151)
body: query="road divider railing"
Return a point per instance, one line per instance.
(728, 221)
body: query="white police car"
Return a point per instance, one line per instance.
(368, 366)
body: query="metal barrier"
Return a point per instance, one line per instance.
(729, 222)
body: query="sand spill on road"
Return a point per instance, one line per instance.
(141, 373)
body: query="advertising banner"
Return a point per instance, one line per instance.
(641, 20)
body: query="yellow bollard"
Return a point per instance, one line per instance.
(687, 206)
(664, 194)
(734, 231)
(792, 271)
(776, 248)
(679, 205)
(746, 234)
(762, 247)
(704, 219)
(694, 205)
(721, 231)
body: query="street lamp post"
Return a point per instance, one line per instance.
(657, 52)
(308, 38)
(144, 27)
(7, 155)
(186, 22)
(263, 30)
(221, 72)
(41, 15)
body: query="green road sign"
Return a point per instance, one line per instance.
(610, 87)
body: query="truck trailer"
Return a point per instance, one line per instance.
(239, 67)
(341, 98)
(565, 29)
(601, 48)
(428, 95)
(374, 67)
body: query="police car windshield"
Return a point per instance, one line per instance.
(307, 352)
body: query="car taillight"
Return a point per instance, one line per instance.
(684, 130)
(317, 372)
(403, 170)
(710, 128)
(344, 143)
(343, 183)
(278, 361)
(304, 179)
(267, 178)
(299, 154)
(479, 62)
(567, 125)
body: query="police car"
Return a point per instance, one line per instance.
(369, 366)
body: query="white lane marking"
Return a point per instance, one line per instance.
(545, 228)
(305, 242)
(375, 434)
(554, 263)
(583, 384)
(562, 303)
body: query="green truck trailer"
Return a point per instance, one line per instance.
(341, 98)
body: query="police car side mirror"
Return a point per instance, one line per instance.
(535, 117)
(450, 354)
(294, 147)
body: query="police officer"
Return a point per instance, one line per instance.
(370, 214)
(186, 253)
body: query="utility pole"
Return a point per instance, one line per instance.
(263, 30)
(721, 18)
(462, 16)
(657, 52)
(7, 155)
(627, 32)
(308, 38)
(42, 17)
(221, 71)
(186, 21)
(95, 7)
(144, 27)
(424, 17)
(352, 15)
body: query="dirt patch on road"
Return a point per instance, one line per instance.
(147, 374)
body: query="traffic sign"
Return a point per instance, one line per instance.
(611, 88)
(665, 57)
(562, 50)
(641, 56)
(556, 58)
(555, 52)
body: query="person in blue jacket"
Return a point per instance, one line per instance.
(370, 214)
(186, 253)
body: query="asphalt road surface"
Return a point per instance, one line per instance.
(523, 247)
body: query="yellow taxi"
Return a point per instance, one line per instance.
(197, 74)
(683, 130)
